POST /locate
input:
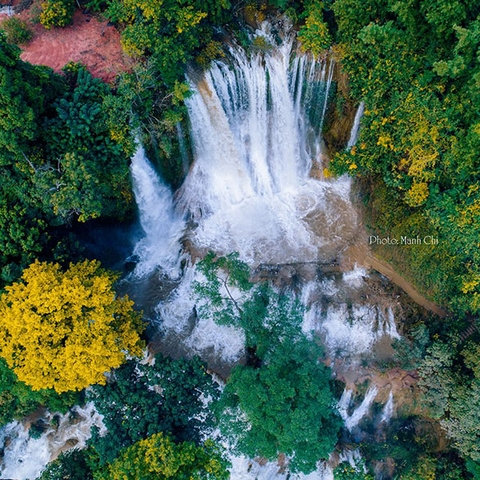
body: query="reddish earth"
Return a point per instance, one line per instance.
(88, 40)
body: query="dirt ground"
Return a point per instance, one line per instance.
(88, 40)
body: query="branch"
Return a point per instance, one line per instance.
(29, 162)
(230, 294)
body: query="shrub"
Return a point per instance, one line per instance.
(18, 32)
(57, 13)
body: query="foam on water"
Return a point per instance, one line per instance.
(178, 312)
(24, 457)
(245, 469)
(352, 331)
(355, 278)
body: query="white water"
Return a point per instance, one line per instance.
(163, 229)
(249, 189)
(175, 317)
(24, 457)
(255, 126)
(350, 456)
(7, 10)
(361, 411)
(352, 331)
(356, 126)
(387, 411)
(349, 331)
(245, 469)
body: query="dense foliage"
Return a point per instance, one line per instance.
(57, 13)
(63, 158)
(17, 399)
(280, 401)
(70, 465)
(154, 458)
(17, 30)
(413, 64)
(141, 400)
(65, 330)
(450, 378)
(87, 172)
(158, 458)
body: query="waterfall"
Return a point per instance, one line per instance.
(356, 126)
(163, 229)
(255, 126)
(387, 411)
(353, 420)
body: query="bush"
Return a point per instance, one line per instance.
(57, 13)
(18, 32)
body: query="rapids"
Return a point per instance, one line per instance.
(256, 127)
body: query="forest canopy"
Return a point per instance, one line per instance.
(414, 65)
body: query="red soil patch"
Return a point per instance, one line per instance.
(88, 40)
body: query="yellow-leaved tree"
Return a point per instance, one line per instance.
(65, 330)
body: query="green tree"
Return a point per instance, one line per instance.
(450, 379)
(87, 173)
(280, 401)
(65, 330)
(70, 465)
(17, 399)
(170, 31)
(25, 93)
(283, 406)
(49, 172)
(314, 35)
(142, 400)
(57, 13)
(157, 458)
(18, 32)
(156, 112)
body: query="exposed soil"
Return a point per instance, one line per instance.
(88, 40)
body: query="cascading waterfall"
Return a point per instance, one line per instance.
(255, 127)
(387, 411)
(354, 418)
(163, 229)
(356, 126)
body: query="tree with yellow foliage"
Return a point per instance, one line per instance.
(65, 330)
(158, 458)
